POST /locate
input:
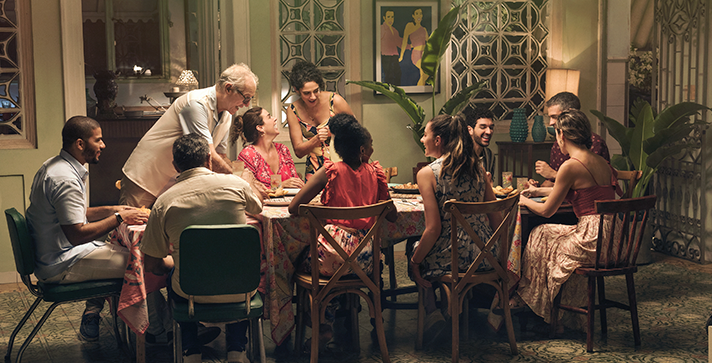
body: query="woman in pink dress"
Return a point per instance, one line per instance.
(262, 156)
(351, 182)
(555, 251)
(418, 35)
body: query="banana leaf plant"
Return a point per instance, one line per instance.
(652, 137)
(435, 47)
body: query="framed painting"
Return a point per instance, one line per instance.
(401, 30)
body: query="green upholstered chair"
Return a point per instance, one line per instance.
(23, 249)
(220, 260)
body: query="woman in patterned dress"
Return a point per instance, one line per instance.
(309, 115)
(262, 156)
(456, 174)
(555, 251)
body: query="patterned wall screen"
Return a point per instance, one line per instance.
(680, 182)
(17, 129)
(503, 42)
(312, 30)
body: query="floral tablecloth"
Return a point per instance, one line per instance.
(284, 237)
(132, 302)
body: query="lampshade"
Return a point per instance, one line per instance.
(187, 79)
(561, 80)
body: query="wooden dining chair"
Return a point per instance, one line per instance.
(456, 285)
(417, 168)
(314, 291)
(627, 181)
(390, 172)
(616, 251)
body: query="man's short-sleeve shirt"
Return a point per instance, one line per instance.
(57, 197)
(598, 146)
(199, 197)
(150, 164)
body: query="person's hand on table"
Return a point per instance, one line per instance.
(543, 169)
(257, 187)
(415, 268)
(293, 183)
(133, 216)
(532, 183)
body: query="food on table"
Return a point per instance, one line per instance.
(407, 185)
(502, 191)
(118, 184)
(277, 193)
(144, 209)
(543, 199)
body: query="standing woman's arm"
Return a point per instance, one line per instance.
(301, 147)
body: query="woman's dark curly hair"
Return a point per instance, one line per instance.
(304, 72)
(349, 136)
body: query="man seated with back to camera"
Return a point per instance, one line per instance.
(198, 197)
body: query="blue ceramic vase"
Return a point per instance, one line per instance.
(518, 129)
(538, 129)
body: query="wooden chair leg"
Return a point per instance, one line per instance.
(633, 308)
(508, 319)
(299, 335)
(454, 305)
(602, 303)
(591, 312)
(421, 320)
(378, 315)
(316, 320)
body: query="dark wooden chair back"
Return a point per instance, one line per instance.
(627, 180)
(619, 240)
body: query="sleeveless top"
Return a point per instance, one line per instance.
(582, 200)
(419, 37)
(320, 153)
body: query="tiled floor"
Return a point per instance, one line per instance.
(675, 299)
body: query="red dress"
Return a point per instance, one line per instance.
(255, 163)
(346, 187)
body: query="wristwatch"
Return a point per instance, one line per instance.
(118, 217)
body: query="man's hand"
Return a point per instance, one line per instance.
(257, 187)
(132, 215)
(543, 169)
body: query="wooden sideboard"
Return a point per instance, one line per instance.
(520, 157)
(121, 135)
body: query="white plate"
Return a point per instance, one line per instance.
(292, 191)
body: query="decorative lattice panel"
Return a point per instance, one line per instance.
(682, 41)
(503, 42)
(12, 122)
(314, 31)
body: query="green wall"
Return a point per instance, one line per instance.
(19, 166)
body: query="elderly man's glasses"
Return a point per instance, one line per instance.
(245, 100)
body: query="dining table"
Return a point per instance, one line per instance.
(284, 237)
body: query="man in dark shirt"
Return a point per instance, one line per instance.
(555, 106)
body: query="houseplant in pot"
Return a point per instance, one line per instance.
(652, 139)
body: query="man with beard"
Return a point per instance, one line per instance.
(64, 229)
(480, 124)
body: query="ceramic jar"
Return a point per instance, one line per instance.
(538, 129)
(518, 128)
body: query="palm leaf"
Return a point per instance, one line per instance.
(397, 94)
(667, 137)
(642, 131)
(662, 153)
(618, 131)
(619, 162)
(461, 99)
(675, 113)
(437, 43)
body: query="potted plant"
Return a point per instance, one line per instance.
(435, 47)
(652, 137)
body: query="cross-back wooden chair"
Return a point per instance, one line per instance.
(390, 172)
(629, 179)
(616, 251)
(456, 285)
(314, 291)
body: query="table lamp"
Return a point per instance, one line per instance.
(561, 80)
(187, 80)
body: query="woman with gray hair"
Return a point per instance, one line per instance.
(149, 171)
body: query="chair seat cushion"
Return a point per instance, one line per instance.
(217, 312)
(80, 290)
